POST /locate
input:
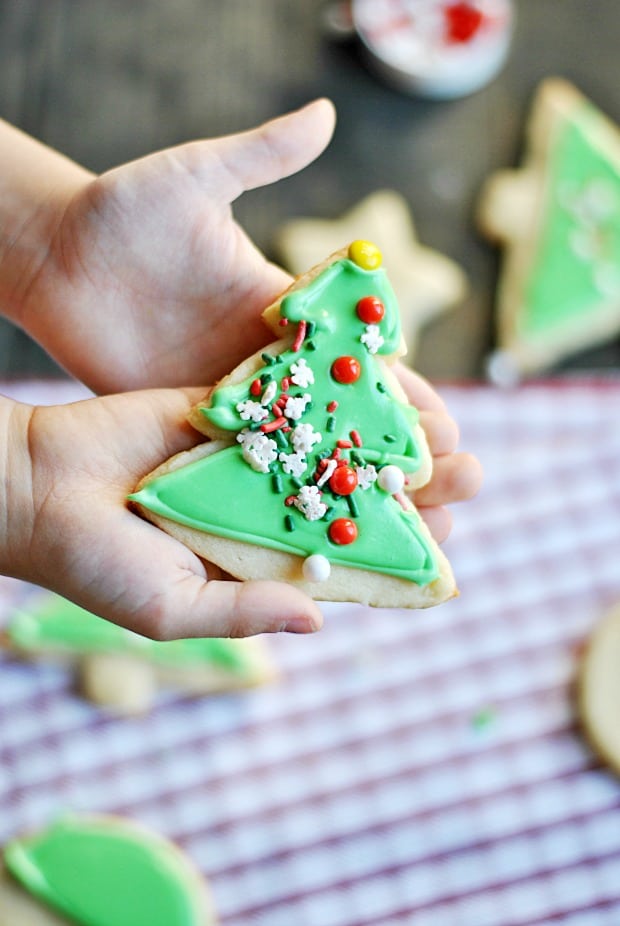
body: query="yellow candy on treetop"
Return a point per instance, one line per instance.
(365, 254)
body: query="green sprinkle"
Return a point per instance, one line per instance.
(296, 481)
(266, 378)
(329, 514)
(254, 425)
(483, 719)
(381, 387)
(268, 359)
(322, 455)
(310, 329)
(331, 424)
(310, 345)
(355, 512)
(390, 438)
(276, 481)
(357, 458)
(280, 438)
(289, 523)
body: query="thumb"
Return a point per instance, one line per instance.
(150, 583)
(232, 164)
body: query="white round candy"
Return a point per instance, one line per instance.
(391, 479)
(316, 568)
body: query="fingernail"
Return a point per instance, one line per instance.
(298, 625)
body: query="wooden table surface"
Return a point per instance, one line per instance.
(108, 82)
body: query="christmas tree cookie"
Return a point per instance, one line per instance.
(313, 452)
(100, 871)
(557, 218)
(121, 670)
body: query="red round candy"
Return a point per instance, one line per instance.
(370, 309)
(343, 481)
(462, 21)
(342, 531)
(346, 370)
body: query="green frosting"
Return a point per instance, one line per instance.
(54, 622)
(224, 495)
(578, 261)
(103, 873)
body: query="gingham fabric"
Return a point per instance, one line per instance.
(423, 767)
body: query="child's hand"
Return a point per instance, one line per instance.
(148, 280)
(456, 476)
(65, 523)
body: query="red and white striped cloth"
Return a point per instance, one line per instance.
(422, 768)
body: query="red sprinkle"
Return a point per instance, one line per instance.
(342, 531)
(402, 501)
(276, 409)
(283, 322)
(257, 387)
(301, 334)
(332, 406)
(370, 309)
(285, 384)
(462, 22)
(290, 500)
(336, 453)
(344, 444)
(355, 437)
(346, 370)
(270, 426)
(343, 481)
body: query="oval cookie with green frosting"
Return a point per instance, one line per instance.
(100, 871)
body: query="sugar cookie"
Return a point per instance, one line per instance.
(557, 218)
(121, 670)
(599, 689)
(100, 871)
(299, 434)
(426, 283)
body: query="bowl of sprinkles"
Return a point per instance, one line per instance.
(441, 49)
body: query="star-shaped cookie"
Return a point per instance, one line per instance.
(426, 282)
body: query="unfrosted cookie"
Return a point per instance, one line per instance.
(122, 671)
(425, 282)
(599, 689)
(314, 452)
(100, 871)
(557, 218)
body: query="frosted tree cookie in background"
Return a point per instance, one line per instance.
(426, 283)
(123, 671)
(313, 452)
(100, 871)
(557, 218)
(599, 689)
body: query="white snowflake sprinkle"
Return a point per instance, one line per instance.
(304, 438)
(301, 374)
(366, 475)
(252, 411)
(309, 503)
(258, 450)
(293, 464)
(296, 406)
(372, 338)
